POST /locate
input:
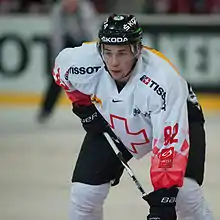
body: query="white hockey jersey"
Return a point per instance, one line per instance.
(149, 114)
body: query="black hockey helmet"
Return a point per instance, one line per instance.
(120, 29)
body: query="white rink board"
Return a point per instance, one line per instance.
(36, 166)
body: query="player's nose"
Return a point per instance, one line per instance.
(114, 61)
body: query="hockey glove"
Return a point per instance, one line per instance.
(162, 204)
(92, 121)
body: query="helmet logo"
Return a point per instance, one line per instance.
(130, 23)
(105, 25)
(114, 39)
(118, 18)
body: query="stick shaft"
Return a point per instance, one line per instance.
(124, 163)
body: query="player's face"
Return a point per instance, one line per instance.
(119, 60)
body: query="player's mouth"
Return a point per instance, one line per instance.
(116, 72)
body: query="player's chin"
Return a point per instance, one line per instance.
(116, 75)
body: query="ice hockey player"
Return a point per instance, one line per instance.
(117, 83)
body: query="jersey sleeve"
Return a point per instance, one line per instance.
(61, 77)
(170, 135)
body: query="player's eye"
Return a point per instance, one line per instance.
(108, 53)
(122, 54)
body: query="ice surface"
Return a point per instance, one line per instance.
(36, 164)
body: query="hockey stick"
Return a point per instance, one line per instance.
(124, 163)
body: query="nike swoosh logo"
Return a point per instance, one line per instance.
(113, 100)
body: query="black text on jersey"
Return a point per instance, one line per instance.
(156, 87)
(83, 70)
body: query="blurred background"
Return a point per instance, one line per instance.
(32, 32)
(39, 136)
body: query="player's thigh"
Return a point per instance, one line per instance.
(97, 162)
(190, 203)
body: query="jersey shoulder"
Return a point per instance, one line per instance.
(160, 69)
(79, 64)
(159, 79)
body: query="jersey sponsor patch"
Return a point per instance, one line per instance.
(166, 158)
(156, 87)
(83, 70)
